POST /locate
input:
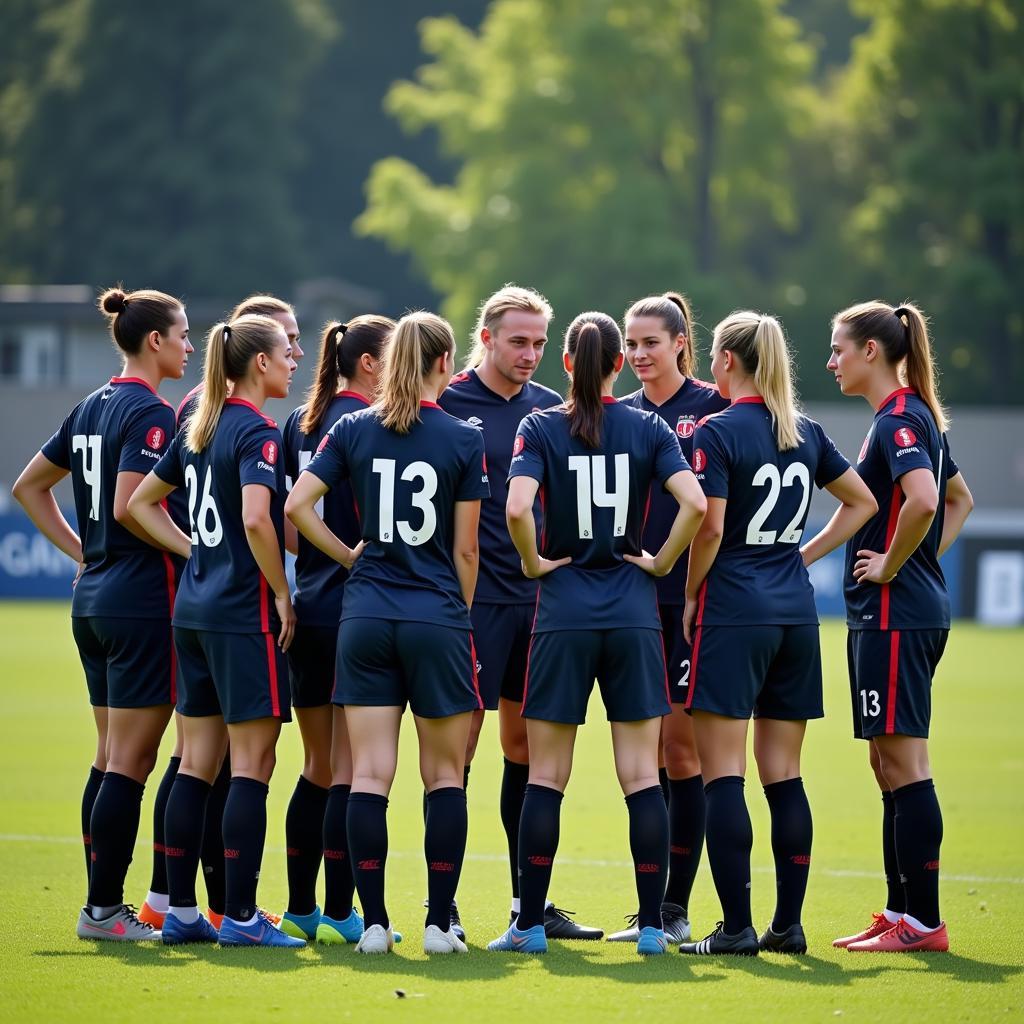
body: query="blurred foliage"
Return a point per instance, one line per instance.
(790, 155)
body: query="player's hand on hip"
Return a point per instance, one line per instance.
(870, 567)
(544, 566)
(689, 618)
(645, 562)
(356, 552)
(285, 611)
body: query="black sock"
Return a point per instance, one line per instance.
(687, 811)
(896, 898)
(513, 788)
(918, 839)
(729, 839)
(538, 843)
(158, 880)
(339, 883)
(183, 837)
(368, 847)
(444, 845)
(666, 785)
(212, 855)
(245, 832)
(792, 831)
(304, 837)
(92, 787)
(114, 827)
(648, 842)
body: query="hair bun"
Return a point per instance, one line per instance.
(113, 301)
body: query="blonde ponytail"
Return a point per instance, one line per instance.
(419, 339)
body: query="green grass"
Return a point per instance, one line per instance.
(47, 974)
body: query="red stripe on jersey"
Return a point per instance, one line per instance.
(895, 504)
(529, 652)
(177, 416)
(543, 528)
(169, 570)
(894, 678)
(476, 678)
(241, 401)
(693, 668)
(647, 509)
(264, 605)
(701, 595)
(749, 400)
(899, 393)
(275, 703)
(353, 394)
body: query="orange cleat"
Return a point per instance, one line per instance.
(147, 915)
(904, 938)
(214, 918)
(274, 919)
(879, 923)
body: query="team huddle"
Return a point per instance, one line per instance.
(469, 541)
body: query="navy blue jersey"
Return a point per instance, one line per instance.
(319, 579)
(177, 501)
(124, 427)
(405, 487)
(595, 502)
(758, 577)
(501, 574)
(694, 400)
(903, 436)
(222, 588)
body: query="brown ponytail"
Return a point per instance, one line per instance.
(673, 310)
(902, 333)
(593, 342)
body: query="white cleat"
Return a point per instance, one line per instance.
(376, 939)
(437, 941)
(121, 926)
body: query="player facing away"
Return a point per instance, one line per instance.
(594, 462)
(345, 380)
(897, 605)
(494, 393)
(124, 592)
(212, 858)
(661, 352)
(418, 476)
(233, 621)
(752, 623)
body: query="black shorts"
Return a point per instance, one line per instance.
(677, 651)
(764, 671)
(628, 664)
(240, 676)
(891, 674)
(384, 663)
(129, 663)
(501, 633)
(311, 665)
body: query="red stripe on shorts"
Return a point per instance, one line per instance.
(275, 703)
(264, 606)
(476, 678)
(894, 677)
(701, 595)
(529, 652)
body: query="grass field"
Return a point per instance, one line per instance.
(47, 974)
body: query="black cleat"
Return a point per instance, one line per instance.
(792, 940)
(719, 943)
(558, 925)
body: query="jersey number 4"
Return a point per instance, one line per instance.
(421, 499)
(768, 475)
(205, 526)
(592, 491)
(89, 445)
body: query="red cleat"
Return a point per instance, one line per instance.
(879, 923)
(903, 938)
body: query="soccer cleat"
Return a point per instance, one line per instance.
(673, 921)
(454, 920)
(147, 915)
(905, 938)
(332, 932)
(274, 919)
(214, 918)
(262, 932)
(532, 940)
(177, 933)
(558, 925)
(122, 926)
(744, 943)
(792, 940)
(301, 926)
(651, 942)
(376, 939)
(879, 923)
(437, 941)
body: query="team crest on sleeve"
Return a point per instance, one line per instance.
(905, 437)
(155, 438)
(700, 460)
(864, 447)
(270, 452)
(519, 445)
(323, 444)
(685, 426)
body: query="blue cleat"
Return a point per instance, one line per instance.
(533, 940)
(332, 932)
(300, 926)
(176, 932)
(260, 933)
(651, 941)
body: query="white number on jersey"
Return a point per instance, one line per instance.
(90, 447)
(206, 527)
(421, 499)
(768, 474)
(592, 491)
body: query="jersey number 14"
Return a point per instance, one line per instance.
(592, 491)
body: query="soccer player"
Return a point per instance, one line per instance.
(751, 619)
(418, 476)
(494, 393)
(124, 592)
(233, 620)
(660, 350)
(155, 905)
(594, 462)
(897, 605)
(346, 377)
